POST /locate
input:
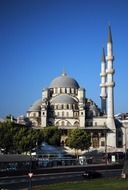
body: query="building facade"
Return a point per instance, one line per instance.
(64, 104)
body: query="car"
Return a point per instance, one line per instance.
(91, 174)
(11, 169)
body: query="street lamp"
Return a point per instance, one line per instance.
(30, 181)
(30, 174)
(125, 140)
(106, 156)
(125, 168)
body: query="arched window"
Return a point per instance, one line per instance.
(59, 106)
(76, 106)
(68, 90)
(62, 113)
(65, 106)
(95, 140)
(75, 114)
(55, 90)
(61, 90)
(62, 123)
(68, 123)
(76, 124)
(34, 114)
(57, 123)
(72, 90)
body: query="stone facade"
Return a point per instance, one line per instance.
(64, 104)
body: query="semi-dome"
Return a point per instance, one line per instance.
(36, 106)
(64, 99)
(64, 81)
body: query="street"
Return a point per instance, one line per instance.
(20, 182)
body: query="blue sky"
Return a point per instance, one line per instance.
(38, 38)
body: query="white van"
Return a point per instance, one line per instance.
(82, 160)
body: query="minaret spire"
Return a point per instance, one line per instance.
(103, 56)
(111, 139)
(109, 35)
(110, 72)
(103, 95)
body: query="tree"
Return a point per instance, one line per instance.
(78, 139)
(52, 135)
(21, 140)
(27, 138)
(15, 138)
(7, 132)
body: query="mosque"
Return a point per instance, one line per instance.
(64, 104)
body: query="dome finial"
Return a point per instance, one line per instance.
(64, 72)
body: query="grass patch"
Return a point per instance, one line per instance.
(102, 184)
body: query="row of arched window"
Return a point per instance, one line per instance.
(64, 90)
(63, 114)
(64, 106)
(67, 123)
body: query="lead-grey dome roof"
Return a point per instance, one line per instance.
(64, 81)
(64, 99)
(36, 106)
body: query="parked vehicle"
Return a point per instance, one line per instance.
(91, 174)
(82, 160)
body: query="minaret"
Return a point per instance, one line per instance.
(103, 83)
(110, 83)
(111, 140)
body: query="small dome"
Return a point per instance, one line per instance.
(36, 106)
(64, 81)
(63, 98)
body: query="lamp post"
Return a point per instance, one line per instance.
(105, 135)
(30, 174)
(125, 139)
(30, 181)
(125, 168)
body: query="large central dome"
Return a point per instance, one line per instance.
(64, 98)
(64, 81)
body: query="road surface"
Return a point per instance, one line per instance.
(20, 182)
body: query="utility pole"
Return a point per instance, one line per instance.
(105, 135)
(30, 174)
(125, 131)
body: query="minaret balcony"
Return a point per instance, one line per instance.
(103, 85)
(110, 84)
(110, 71)
(110, 58)
(103, 74)
(103, 96)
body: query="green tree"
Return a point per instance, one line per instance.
(78, 139)
(15, 138)
(21, 140)
(52, 135)
(7, 132)
(27, 138)
(40, 136)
